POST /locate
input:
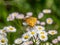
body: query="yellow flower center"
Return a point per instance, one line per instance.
(32, 33)
(26, 37)
(42, 36)
(52, 32)
(11, 28)
(39, 28)
(46, 11)
(20, 41)
(2, 40)
(49, 21)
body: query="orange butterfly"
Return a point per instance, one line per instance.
(31, 21)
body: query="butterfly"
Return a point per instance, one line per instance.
(31, 21)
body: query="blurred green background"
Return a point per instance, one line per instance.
(24, 6)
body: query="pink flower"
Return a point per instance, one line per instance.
(55, 41)
(58, 38)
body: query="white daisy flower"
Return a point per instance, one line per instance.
(40, 15)
(1, 36)
(42, 32)
(10, 18)
(43, 37)
(38, 22)
(32, 33)
(18, 41)
(14, 14)
(20, 16)
(42, 23)
(39, 28)
(46, 11)
(2, 32)
(26, 37)
(29, 14)
(58, 38)
(11, 29)
(3, 41)
(52, 32)
(49, 20)
(5, 29)
(55, 41)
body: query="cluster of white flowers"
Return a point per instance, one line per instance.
(3, 39)
(16, 15)
(36, 32)
(41, 15)
(3, 34)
